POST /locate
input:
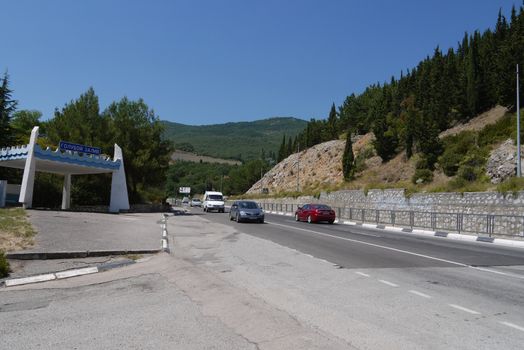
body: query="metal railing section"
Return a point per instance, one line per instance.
(481, 224)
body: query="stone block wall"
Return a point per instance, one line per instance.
(483, 213)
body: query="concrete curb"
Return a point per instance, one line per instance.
(65, 274)
(427, 233)
(77, 254)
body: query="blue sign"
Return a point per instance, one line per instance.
(68, 146)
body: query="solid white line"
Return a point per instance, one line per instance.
(373, 245)
(512, 325)
(362, 274)
(458, 307)
(497, 272)
(78, 272)
(388, 283)
(420, 294)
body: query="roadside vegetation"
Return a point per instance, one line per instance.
(15, 230)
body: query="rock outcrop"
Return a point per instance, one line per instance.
(502, 162)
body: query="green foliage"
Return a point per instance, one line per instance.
(135, 128)
(185, 146)
(348, 159)
(4, 265)
(422, 176)
(360, 160)
(22, 124)
(500, 131)
(201, 177)
(131, 125)
(511, 185)
(409, 112)
(229, 140)
(456, 147)
(7, 108)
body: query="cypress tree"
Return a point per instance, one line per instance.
(348, 159)
(332, 123)
(7, 108)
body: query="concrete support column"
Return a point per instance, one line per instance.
(28, 180)
(66, 192)
(3, 192)
(119, 199)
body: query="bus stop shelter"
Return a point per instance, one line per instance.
(33, 158)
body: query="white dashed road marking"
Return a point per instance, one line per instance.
(420, 294)
(512, 325)
(362, 274)
(461, 308)
(388, 283)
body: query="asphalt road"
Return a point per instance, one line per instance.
(470, 278)
(281, 285)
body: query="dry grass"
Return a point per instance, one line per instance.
(15, 231)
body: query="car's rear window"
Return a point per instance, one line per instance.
(322, 207)
(247, 205)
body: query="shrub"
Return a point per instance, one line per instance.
(422, 176)
(512, 185)
(4, 265)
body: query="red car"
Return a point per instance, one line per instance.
(315, 213)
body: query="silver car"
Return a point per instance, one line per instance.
(246, 211)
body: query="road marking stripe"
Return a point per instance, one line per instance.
(458, 307)
(388, 283)
(420, 294)
(497, 272)
(373, 245)
(362, 274)
(512, 325)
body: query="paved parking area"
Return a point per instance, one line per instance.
(61, 231)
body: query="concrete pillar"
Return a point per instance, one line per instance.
(28, 180)
(3, 192)
(66, 192)
(119, 198)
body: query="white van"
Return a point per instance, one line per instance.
(213, 201)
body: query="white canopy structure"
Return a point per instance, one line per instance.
(33, 158)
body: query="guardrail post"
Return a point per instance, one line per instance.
(338, 213)
(363, 214)
(412, 219)
(350, 213)
(377, 216)
(392, 213)
(460, 222)
(433, 220)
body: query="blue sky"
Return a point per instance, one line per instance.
(206, 62)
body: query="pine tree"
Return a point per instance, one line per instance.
(289, 147)
(7, 108)
(348, 159)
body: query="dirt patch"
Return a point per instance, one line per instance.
(478, 123)
(195, 158)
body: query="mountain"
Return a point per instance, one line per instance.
(240, 140)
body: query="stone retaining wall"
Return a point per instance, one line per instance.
(483, 213)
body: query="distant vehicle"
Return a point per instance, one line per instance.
(185, 200)
(315, 213)
(213, 201)
(195, 202)
(246, 211)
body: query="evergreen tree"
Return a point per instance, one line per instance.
(289, 147)
(7, 108)
(348, 159)
(282, 150)
(332, 124)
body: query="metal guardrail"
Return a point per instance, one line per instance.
(480, 224)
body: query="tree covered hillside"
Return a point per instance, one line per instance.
(241, 141)
(410, 111)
